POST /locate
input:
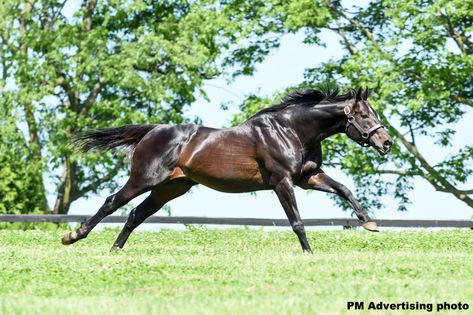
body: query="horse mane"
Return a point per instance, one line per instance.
(312, 97)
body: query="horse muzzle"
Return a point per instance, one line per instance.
(385, 147)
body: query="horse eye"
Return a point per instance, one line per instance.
(364, 115)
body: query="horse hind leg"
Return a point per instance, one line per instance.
(159, 196)
(153, 160)
(138, 183)
(111, 204)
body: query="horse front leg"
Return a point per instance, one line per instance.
(285, 192)
(322, 182)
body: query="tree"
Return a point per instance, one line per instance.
(20, 188)
(67, 68)
(417, 56)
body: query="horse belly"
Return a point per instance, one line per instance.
(228, 166)
(227, 177)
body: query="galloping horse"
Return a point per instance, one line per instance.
(277, 148)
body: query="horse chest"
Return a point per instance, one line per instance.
(312, 160)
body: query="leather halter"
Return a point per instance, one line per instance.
(365, 134)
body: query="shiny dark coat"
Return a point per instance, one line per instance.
(277, 148)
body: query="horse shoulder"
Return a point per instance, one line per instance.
(278, 147)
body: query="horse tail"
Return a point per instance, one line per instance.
(109, 138)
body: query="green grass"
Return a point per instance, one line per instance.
(234, 271)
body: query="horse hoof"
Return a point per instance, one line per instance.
(370, 226)
(115, 249)
(69, 238)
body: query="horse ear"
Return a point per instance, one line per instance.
(366, 94)
(358, 94)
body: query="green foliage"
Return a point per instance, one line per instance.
(231, 271)
(96, 64)
(249, 107)
(20, 191)
(418, 57)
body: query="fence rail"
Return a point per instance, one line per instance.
(59, 218)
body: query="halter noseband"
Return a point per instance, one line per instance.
(365, 134)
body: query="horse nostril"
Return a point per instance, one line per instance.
(388, 143)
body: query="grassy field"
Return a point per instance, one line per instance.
(234, 271)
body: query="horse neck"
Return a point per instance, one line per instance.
(314, 124)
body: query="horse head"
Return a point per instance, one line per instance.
(363, 124)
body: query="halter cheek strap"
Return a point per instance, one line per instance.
(364, 133)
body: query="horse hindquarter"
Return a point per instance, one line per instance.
(157, 155)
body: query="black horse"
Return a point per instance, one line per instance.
(277, 148)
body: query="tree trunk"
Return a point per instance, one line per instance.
(67, 189)
(65, 195)
(33, 143)
(434, 177)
